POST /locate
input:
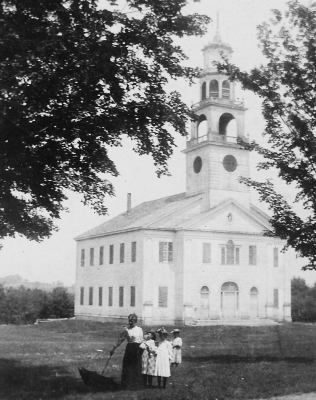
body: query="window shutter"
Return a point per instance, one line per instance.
(90, 296)
(81, 296)
(82, 257)
(110, 296)
(276, 298)
(133, 293)
(133, 251)
(252, 255)
(170, 251)
(237, 255)
(92, 256)
(100, 296)
(223, 255)
(230, 252)
(122, 250)
(121, 296)
(275, 257)
(161, 244)
(101, 255)
(111, 254)
(163, 296)
(206, 252)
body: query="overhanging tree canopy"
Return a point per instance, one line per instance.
(287, 86)
(73, 80)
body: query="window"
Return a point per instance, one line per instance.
(92, 256)
(110, 296)
(237, 249)
(101, 255)
(81, 296)
(225, 90)
(133, 296)
(203, 90)
(206, 252)
(165, 251)
(90, 296)
(163, 296)
(111, 254)
(275, 257)
(133, 251)
(214, 88)
(230, 254)
(252, 255)
(121, 296)
(276, 298)
(100, 295)
(122, 252)
(82, 257)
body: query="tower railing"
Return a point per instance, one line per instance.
(218, 100)
(214, 137)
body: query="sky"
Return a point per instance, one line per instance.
(53, 259)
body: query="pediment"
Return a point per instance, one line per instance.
(230, 217)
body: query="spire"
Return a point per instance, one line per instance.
(217, 38)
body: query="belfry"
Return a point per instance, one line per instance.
(198, 257)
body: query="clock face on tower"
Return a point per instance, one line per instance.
(230, 163)
(197, 164)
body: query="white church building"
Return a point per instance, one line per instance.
(197, 257)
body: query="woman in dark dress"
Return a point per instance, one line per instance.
(132, 362)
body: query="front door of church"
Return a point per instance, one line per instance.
(229, 304)
(229, 293)
(204, 305)
(254, 303)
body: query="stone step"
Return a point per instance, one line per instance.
(235, 321)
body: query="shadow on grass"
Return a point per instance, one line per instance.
(18, 381)
(230, 359)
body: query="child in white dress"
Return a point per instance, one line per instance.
(164, 357)
(176, 345)
(149, 358)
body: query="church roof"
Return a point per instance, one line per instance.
(179, 212)
(140, 216)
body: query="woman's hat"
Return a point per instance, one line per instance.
(153, 334)
(175, 331)
(162, 331)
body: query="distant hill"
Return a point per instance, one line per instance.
(16, 280)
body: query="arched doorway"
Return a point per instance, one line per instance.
(226, 90)
(254, 302)
(229, 299)
(224, 121)
(214, 88)
(204, 302)
(203, 91)
(202, 128)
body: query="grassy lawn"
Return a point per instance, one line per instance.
(220, 362)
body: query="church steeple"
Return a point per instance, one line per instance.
(217, 38)
(215, 160)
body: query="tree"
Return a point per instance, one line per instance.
(61, 303)
(287, 86)
(74, 80)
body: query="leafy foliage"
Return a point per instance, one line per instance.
(303, 301)
(74, 79)
(287, 86)
(23, 306)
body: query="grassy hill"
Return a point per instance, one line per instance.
(221, 362)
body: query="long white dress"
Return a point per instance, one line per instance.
(177, 352)
(164, 357)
